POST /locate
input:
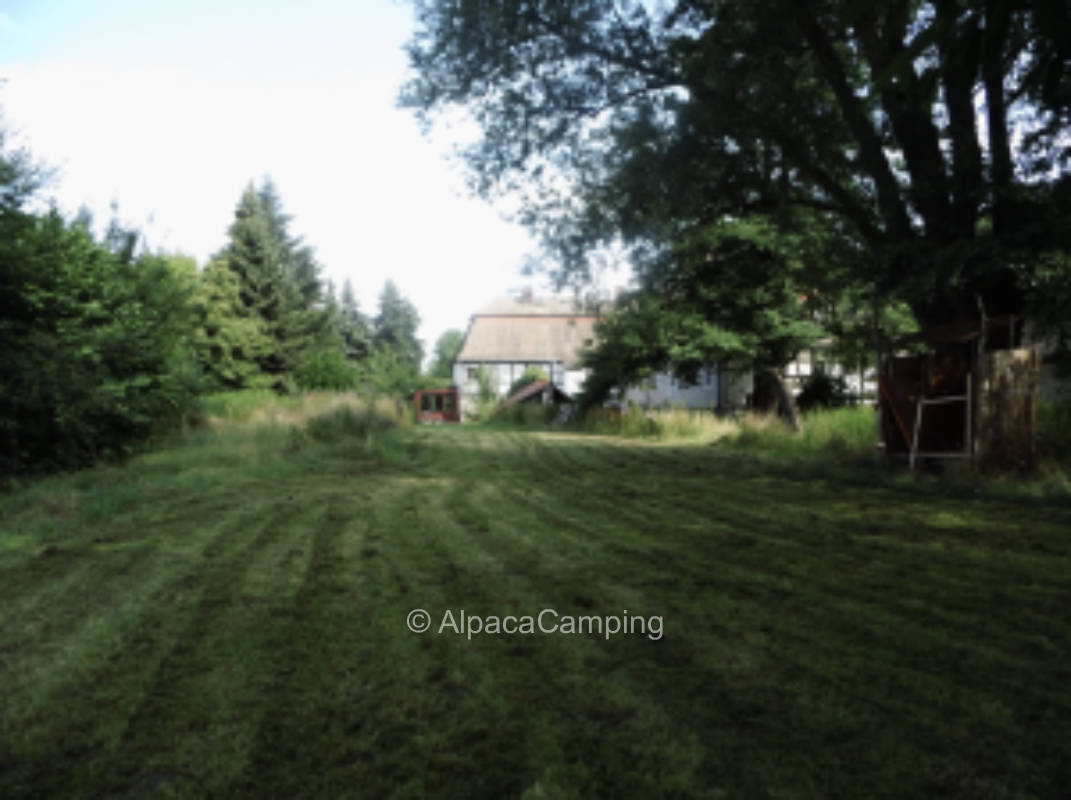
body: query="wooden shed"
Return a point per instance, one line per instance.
(437, 405)
(970, 393)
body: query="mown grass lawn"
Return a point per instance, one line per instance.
(227, 618)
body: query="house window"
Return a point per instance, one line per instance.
(472, 373)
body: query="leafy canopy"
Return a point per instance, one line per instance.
(616, 122)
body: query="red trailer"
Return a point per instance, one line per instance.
(437, 405)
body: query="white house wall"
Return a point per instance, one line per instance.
(574, 381)
(663, 389)
(503, 374)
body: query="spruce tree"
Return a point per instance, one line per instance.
(353, 325)
(254, 254)
(232, 338)
(278, 283)
(396, 326)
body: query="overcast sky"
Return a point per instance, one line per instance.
(170, 109)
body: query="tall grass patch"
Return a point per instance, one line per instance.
(634, 422)
(240, 406)
(349, 422)
(263, 407)
(828, 430)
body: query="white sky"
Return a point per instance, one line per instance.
(170, 109)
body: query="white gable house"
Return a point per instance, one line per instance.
(510, 335)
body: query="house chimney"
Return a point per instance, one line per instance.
(526, 295)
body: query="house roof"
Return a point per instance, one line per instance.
(534, 307)
(529, 330)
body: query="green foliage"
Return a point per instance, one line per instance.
(640, 124)
(98, 352)
(531, 374)
(485, 383)
(353, 325)
(822, 390)
(395, 327)
(385, 372)
(524, 415)
(446, 350)
(486, 396)
(839, 431)
(263, 306)
(325, 369)
(232, 339)
(729, 291)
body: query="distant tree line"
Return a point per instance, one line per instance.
(104, 344)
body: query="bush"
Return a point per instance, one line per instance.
(97, 352)
(325, 369)
(822, 390)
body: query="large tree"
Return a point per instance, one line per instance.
(928, 137)
(280, 295)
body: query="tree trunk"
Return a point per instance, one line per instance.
(786, 405)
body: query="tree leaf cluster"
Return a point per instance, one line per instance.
(95, 346)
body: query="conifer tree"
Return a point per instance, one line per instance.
(353, 325)
(396, 326)
(232, 338)
(278, 284)
(254, 254)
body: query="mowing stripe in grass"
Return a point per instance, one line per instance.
(817, 640)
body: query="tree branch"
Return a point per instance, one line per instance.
(907, 105)
(871, 152)
(960, 53)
